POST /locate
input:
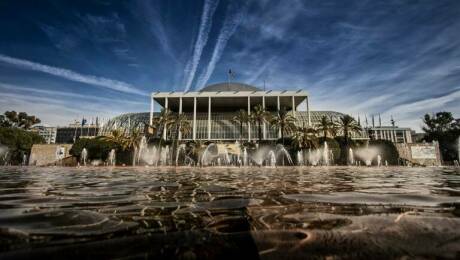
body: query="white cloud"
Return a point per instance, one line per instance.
(203, 34)
(71, 95)
(231, 23)
(74, 76)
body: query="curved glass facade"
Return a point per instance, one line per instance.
(222, 126)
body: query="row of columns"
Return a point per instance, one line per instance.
(390, 135)
(209, 115)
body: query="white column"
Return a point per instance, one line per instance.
(209, 118)
(194, 118)
(180, 112)
(404, 136)
(249, 114)
(164, 127)
(278, 107)
(308, 112)
(151, 110)
(293, 107)
(264, 131)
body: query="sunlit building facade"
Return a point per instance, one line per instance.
(210, 112)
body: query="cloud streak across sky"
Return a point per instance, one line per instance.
(394, 58)
(235, 14)
(203, 34)
(72, 75)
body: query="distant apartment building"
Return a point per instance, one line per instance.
(394, 134)
(47, 132)
(68, 134)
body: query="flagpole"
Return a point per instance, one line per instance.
(75, 133)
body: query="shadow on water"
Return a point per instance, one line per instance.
(224, 213)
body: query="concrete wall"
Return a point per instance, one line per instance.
(49, 154)
(410, 153)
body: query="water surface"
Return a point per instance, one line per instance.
(334, 212)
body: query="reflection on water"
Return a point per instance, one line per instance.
(230, 212)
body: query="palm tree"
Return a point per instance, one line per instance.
(241, 118)
(335, 127)
(259, 116)
(348, 126)
(164, 120)
(132, 142)
(305, 137)
(180, 125)
(284, 122)
(327, 126)
(117, 137)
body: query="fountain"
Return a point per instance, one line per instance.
(180, 149)
(300, 161)
(245, 157)
(351, 157)
(281, 150)
(111, 158)
(379, 160)
(142, 150)
(60, 153)
(216, 154)
(5, 159)
(24, 159)
(84, 156)
(272, 158)
(4, 154)
(325, 154)
(314, 157)
(226, 156)
(368, 154)
(135, 155)
(164, 155)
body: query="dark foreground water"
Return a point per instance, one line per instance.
(304, 213)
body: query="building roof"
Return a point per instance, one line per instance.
(229, 86)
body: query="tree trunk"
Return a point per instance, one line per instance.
(241, 133)
(347, 150)
(282, 133)
(175, 142)
(260, 131)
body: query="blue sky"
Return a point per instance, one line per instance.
(62, 60)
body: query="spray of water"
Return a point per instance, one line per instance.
(368, 154)
(84, 156)
(111, 158)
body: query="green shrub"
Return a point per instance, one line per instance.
(98, 149)
(387, 151)
(344, 147)
(19, 142)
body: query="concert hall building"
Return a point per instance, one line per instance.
(210, 112)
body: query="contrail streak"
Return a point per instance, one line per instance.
(73, 76)
(228, 29)
(203, 34)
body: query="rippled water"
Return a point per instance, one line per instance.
(229, 212)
